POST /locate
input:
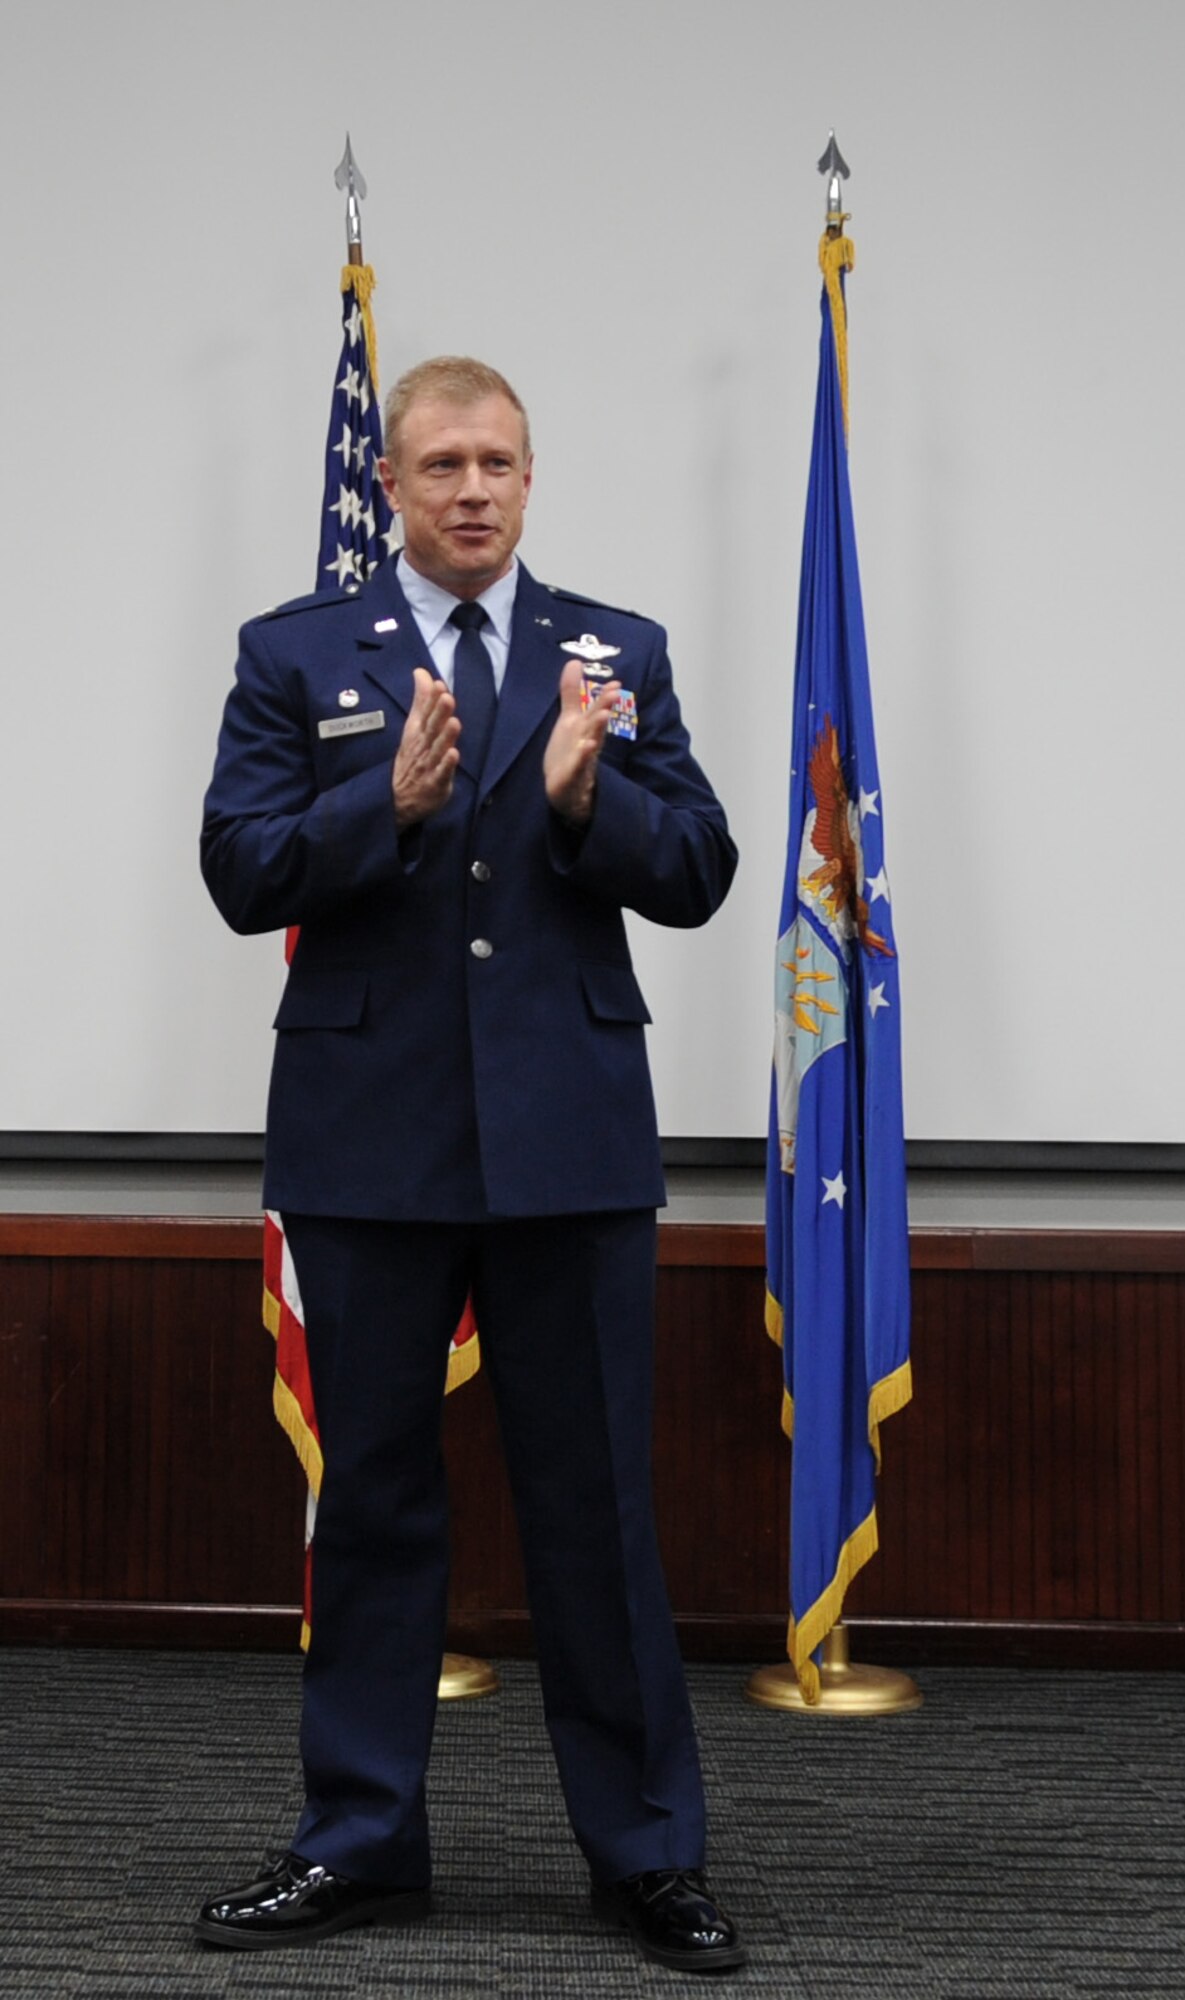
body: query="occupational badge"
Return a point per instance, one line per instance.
(590, 650)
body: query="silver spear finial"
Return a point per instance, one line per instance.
(834, 164)
(349, 176)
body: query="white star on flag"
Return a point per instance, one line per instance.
(835, 1190)
(876, 999)
(346, 506)
(355, 526)
(343, 563)
(878, 886)
(868, 804)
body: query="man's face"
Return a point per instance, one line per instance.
(460, 481)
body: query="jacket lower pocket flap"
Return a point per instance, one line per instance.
(613, 993)
(330, 997)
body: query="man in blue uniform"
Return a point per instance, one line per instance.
(454, 781)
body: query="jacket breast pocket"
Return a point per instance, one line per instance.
(613, 993)
(342, 757)
(329, 996)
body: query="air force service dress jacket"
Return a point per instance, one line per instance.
(461, 1034)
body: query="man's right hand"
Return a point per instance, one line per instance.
(426, 762)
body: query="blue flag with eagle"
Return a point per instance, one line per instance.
(837, 1236)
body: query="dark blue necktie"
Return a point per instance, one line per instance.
(473, 683)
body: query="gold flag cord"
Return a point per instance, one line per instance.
(836, 254)
(360, 279)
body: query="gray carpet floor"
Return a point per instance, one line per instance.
(1022, 1834)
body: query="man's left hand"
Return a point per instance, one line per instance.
(570, 759)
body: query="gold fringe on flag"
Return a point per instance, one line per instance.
(807, 1633)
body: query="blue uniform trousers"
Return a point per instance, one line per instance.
(565, 1310)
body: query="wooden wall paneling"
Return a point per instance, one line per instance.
(912, 1529)
(1169, 1317)
(940, 1369)
(718, 1445)
(1152, 1367)
(1013, 1411)
(25, 1390)
(1001, 1454)
(1124, 1495)
(1095, 1376)
(967, 1428)
(248, 1546)
(1044, 1554)
(146, 1466)
(1150, 1372)
(1031, 1499)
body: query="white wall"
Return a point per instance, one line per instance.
(617, 204)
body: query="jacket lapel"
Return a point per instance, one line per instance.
(390, 657)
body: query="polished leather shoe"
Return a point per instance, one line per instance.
(673, 1918)
(297, 1902)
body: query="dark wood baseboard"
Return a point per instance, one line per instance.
(918, 1643)
(229, 1628)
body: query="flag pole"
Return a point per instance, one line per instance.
(842, 1689)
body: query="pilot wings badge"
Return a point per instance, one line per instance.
(589, 649)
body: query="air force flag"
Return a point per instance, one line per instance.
(837, 1237)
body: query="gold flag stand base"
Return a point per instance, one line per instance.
(844, 1689)
(463, 1678)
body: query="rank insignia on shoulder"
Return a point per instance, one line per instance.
(594, 603)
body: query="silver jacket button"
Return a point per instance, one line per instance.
(482, 948)
(480, 871)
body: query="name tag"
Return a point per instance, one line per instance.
(351, 725)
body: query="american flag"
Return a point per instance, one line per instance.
(358, 531)
(357, 526)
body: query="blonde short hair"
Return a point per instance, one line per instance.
(455, 378)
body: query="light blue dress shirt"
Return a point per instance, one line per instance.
(432, 607)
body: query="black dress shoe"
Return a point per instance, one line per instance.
(673, 1918)
(297, 1902)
